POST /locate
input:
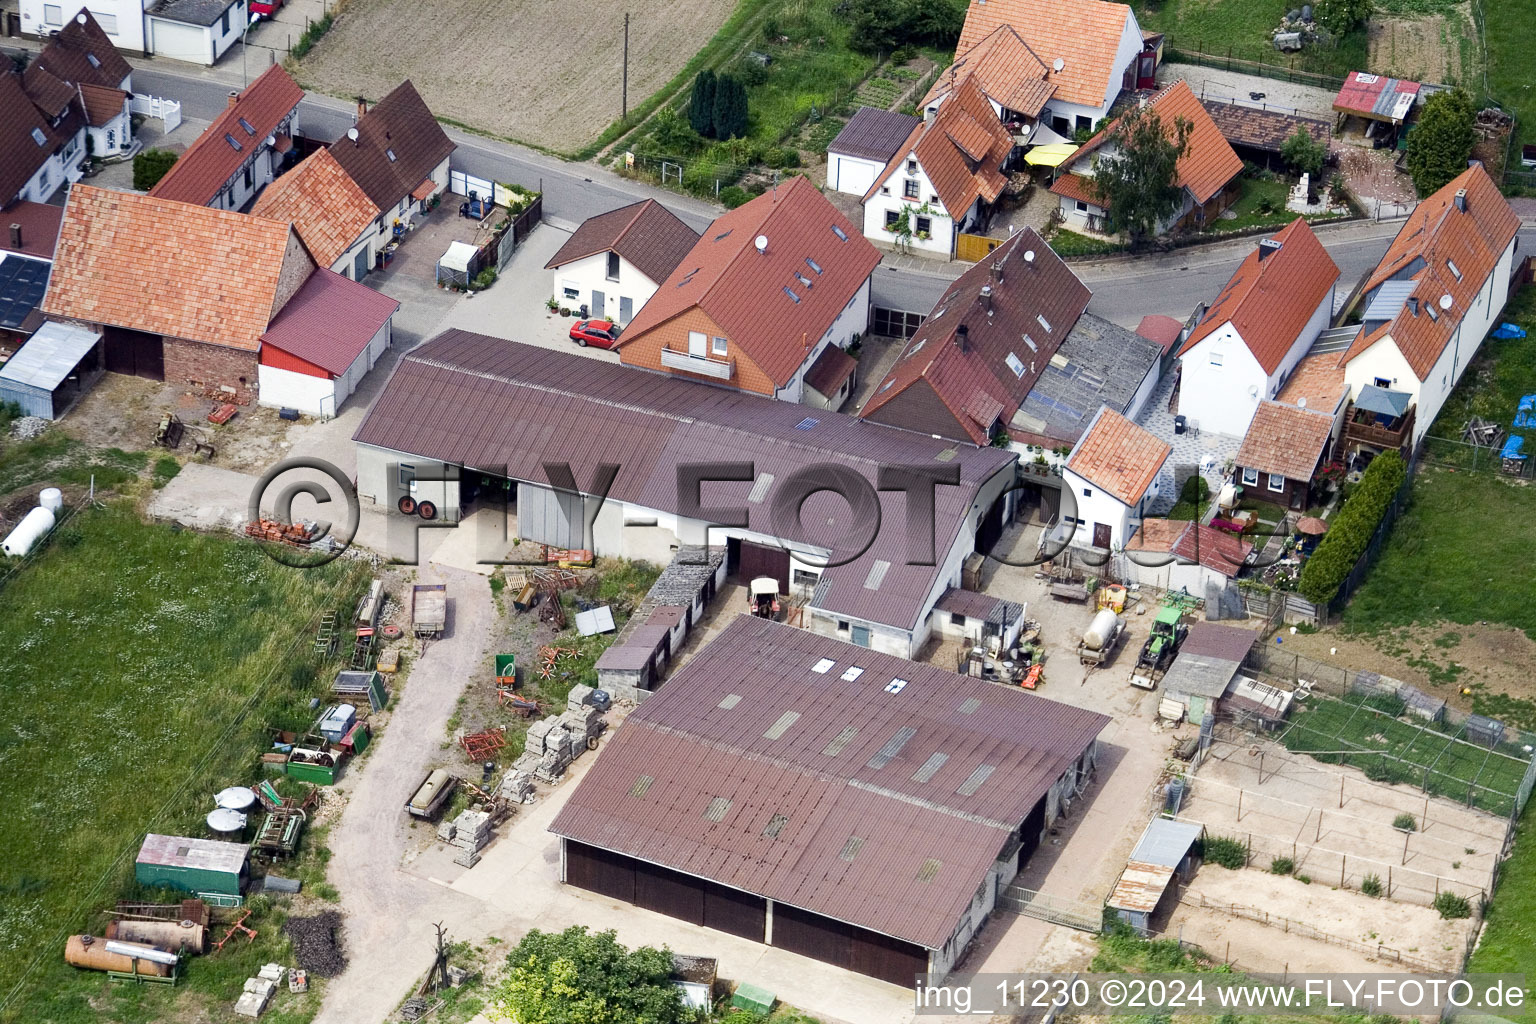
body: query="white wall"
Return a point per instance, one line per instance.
(1098, 506)
(944, 225)
(1221, 398)
(224, 38)
(114, 137)
(851, 174)
(279, 389)
(853, 320)
(590, 274)
(194, 43)
(126, 16)
(65, 165)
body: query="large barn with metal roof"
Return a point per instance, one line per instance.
(825, 799)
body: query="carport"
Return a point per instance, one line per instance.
(54, 368)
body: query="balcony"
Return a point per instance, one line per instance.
(1367, 428)
(719, 369)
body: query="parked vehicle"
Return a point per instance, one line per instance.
(1100, 639)
(266, 8)
(1168, 632)
(602, 333)
(430, 796)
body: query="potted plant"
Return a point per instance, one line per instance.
(552, 305)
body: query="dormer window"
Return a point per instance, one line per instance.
(38, 137)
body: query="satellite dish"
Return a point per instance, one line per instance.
(762, 243)
(80, 17)
(352, 134)
(1445, 301)
(1029, 256)
(271, 140)
(1057, 65)
(1253, 391)
(1301, 403)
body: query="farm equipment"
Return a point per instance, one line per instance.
(429, 609)
(432, 794)
(1101, 638)
(482, 746)
(170, 431)
(279, 832)
(1168, 632)
(763, 597)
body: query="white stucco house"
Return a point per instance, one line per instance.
(122, 21)
(615, 261)
(1434, 296)
(1250, 339)
(1109, 484)
(865, 145)
(943, 179)
(196, 31)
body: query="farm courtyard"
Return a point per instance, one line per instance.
(541, 72)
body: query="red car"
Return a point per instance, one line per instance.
(266, 7)
(602, 333)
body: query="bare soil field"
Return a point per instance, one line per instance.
(538, 71)
(1337, 825)
(1426, 49)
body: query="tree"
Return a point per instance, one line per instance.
(884, 25)
(701, 105)
(577, 977)
(150, 166)
(671, 135)
(1441, 141)
(1138, 182)
(1303, 153)
(1340, 17)
(729, 115)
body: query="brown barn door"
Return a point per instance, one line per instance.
(134, 353)
(669, 892)
(888, 959)
(812, 935)
(1101, 535)
(735, 912)
(599, 871)
(759, 560)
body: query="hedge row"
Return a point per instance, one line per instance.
(1351, 529)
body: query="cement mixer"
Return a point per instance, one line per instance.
(1101, 638)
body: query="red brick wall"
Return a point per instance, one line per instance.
(211, 368)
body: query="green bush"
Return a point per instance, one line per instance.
(1226, 852)
(1282, 866)
(733, 196)
(484, 279)
(312, 35)
(1452, 907)
(1370, 885)
(1405, 823)
(782, 157)
(166, 468)
(150, 166)
(1351, 529)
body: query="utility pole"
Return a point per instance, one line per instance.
(625, 114)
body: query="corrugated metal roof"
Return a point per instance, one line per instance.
(1140, 888)
(1166, 842)
(1208, 659)
(857, 763)
(518, 407)
(874, 134)
(330, 320)
(49, 356)
(186, 852)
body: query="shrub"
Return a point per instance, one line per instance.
(782, 157)
(1370, 885)
(1282, 866)
(1226, 852)
(484, 279)
(1405, 823)
(1304, 879)
(1303, 153)
(312, 35)
(733, 196)
(150, 166)
(1351, 529)
(1452, 907)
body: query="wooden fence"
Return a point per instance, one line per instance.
(974, 248)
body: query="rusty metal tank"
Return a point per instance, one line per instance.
(185, 936)
(90, 952)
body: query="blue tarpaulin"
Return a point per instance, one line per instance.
(1512, 448)
(1507, 331)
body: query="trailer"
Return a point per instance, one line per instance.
(433, 792)
(1101, 638)
(429, 608)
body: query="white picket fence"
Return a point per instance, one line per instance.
(168, 111)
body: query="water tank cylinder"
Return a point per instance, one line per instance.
(33, 527)
(1101, 630)
(51, 499)
(90, 952)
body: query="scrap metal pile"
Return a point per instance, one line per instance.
(315, 944)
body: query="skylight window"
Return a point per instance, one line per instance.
(807, 423)
(795, 298)
(779, 727)
(1031, 343)
(760, 488)
(642, 784)
(930, 768)
(853, 672)
(976, 778)
(929, 870)
(896, 685)
(717, 809)
(892, 747)
(1455, 270)
(823, 666)
(877, 574)
(813, 264)
(1015, 365)
(247, 126)
(841, 740)
(234, 143)
(729, 701)
(918, 347)
(1044, 323)
(724, 234)
(775, 826)
(803, 280)
(92, 58)
(1434, 314)
(391, 154)
(840, 233)
(969, 705)
(38, 137)
(851, 849)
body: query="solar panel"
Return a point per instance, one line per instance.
(807, 423)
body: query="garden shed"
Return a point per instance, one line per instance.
(1167, 847)
(207, 868)
(458, 266)
(53, 368)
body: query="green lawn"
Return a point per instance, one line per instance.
(1511, 34)
(141, 667)
(1242, 28)
(1332, 725)
(1070, 243)
(1502, 372)
(1509, 940)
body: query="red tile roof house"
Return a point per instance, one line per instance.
(185, 293)
(614, 262)
(332, 214)
(1281, 453)
(398, 157)
(241, 150)
(769, 288)
(1092, 50)
(1260, 326)
(944, 179)
(1176, 554)
(517, 408)
(1207, 172)
(1010, 75)
(826, 800)
(82, 55)
(1431, 300)
(1109, 484)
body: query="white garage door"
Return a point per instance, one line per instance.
(849, 174)
(181, 42)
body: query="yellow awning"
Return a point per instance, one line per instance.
(1050, 156)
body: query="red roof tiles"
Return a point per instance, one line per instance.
(1119, 457)
(1161, 330)
(201, 173)
(1285, 439)
(1005, 68)
(1215, 549)
(1083, 34)
(961, 150)
(1078, 188)
(1272, 295)
(327, 208)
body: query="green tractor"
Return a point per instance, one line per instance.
(1168, 632)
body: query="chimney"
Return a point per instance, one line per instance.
(929, 113)
(15, 236)
(962, 336)
(986, 297)
(234, 96)
(1461, 200)
(1413, 305)
(1267, 248)
(362, 106)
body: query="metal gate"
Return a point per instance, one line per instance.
(1072, 913)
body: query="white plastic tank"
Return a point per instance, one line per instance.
(1101, 630)
(51, 499)
(32, 528)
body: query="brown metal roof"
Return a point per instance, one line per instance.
(1263, 129)
(39, 223)
(900, 785)
(329, 321)
(760, 299)
(1286, 440)
(83, 53)
(1215, 549)
(646, 234)
(200, 173)
(399, 143)
(874, 134)
(1032, 306)
(1213, 640)
(974, 605)
(1141, 887)
(518, 407)
(1161, 330)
